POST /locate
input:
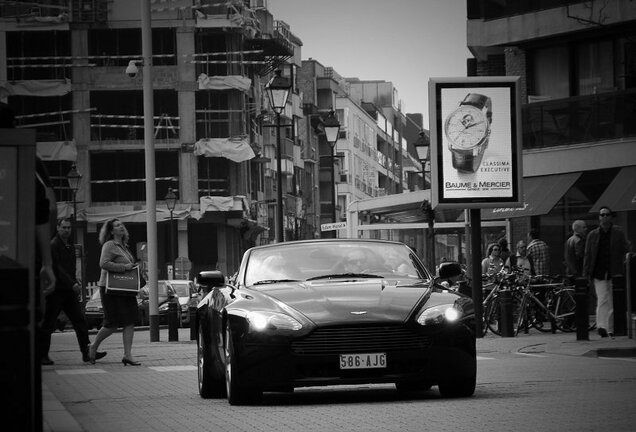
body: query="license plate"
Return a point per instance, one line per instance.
(363, 361)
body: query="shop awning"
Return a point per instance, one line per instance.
(620, 195)
(540, 195)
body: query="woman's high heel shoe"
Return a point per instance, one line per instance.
(127, 362)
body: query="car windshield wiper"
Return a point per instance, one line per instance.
(271, 281)
(345, 275)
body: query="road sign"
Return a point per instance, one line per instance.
(333, 226)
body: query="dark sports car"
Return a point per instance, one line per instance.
(328, 312)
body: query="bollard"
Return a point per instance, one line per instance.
(192, 310)
(505, 313)
(581, 314)
(173, 322)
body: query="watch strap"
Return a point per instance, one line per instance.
(479, 101)
(463, 161)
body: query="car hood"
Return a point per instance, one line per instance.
(344, 301)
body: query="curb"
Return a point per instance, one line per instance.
(611, 352)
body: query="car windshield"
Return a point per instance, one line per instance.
(330, 260)
(182, 289)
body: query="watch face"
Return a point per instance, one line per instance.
(466, 127)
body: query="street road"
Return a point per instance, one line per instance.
(517, 390)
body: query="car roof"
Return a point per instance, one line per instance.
(318, 241)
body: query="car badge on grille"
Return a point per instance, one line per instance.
(358, 312)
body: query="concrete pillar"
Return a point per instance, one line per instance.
(186, 87)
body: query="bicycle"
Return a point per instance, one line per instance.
(492, 303)
(563, 305)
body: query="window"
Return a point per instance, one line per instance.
(111, 43)
(595, 67)
(114, 120)
(119, 176)
(212, 114)
(551, 72)
(24, 47)
(49, 116)
(58, 171)
(213, 176)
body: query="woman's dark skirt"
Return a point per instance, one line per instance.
(119, 310)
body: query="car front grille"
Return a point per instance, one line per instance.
(360, 339)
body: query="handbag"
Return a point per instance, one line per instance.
(126, 283)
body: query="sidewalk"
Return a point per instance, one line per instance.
(58, 419)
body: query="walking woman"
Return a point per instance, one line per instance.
(119, 310)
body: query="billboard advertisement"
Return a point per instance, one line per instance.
(475, 142)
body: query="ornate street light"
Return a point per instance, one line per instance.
(332, 132)
(171, 202)
(278, 92)
(74, 178)
(423, 147)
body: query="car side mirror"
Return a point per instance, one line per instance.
(210, 279)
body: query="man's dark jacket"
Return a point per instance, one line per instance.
(618, 250)
(63, 263)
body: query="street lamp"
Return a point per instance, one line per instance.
(422, 146)
(278, 92)
(332, 131)
(74, 177)
(171, 202)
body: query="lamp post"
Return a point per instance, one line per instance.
(74, 177)
(278, 92)
(422, 146)
(171, 202)
(332, 131)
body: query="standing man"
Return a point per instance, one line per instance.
(539, 253)
(605, 250)
(575, 249)
(65, 296)
(521, 260)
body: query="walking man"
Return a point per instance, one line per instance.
(539, 253)
(65, 296)
(575, 249)
(605, 250)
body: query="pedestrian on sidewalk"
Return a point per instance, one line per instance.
(539, 253)
(119, 310)
(493, 263)
(520, 261)
(575, 249)
(605, 250)
(65, 296)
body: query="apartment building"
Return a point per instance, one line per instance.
(62, 70)
(371, 149)
(577, 63)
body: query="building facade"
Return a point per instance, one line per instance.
(577, 63)
(73, 71)
(62, 70)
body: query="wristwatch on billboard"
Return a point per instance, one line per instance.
(468, 131)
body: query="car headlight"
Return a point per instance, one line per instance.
(449, 313)
(262, 320)
(164, 307)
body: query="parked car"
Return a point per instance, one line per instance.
(166, 294)
(94, 312)
(186, 294)
(329, 312)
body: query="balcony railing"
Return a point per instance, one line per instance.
(580, 119)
